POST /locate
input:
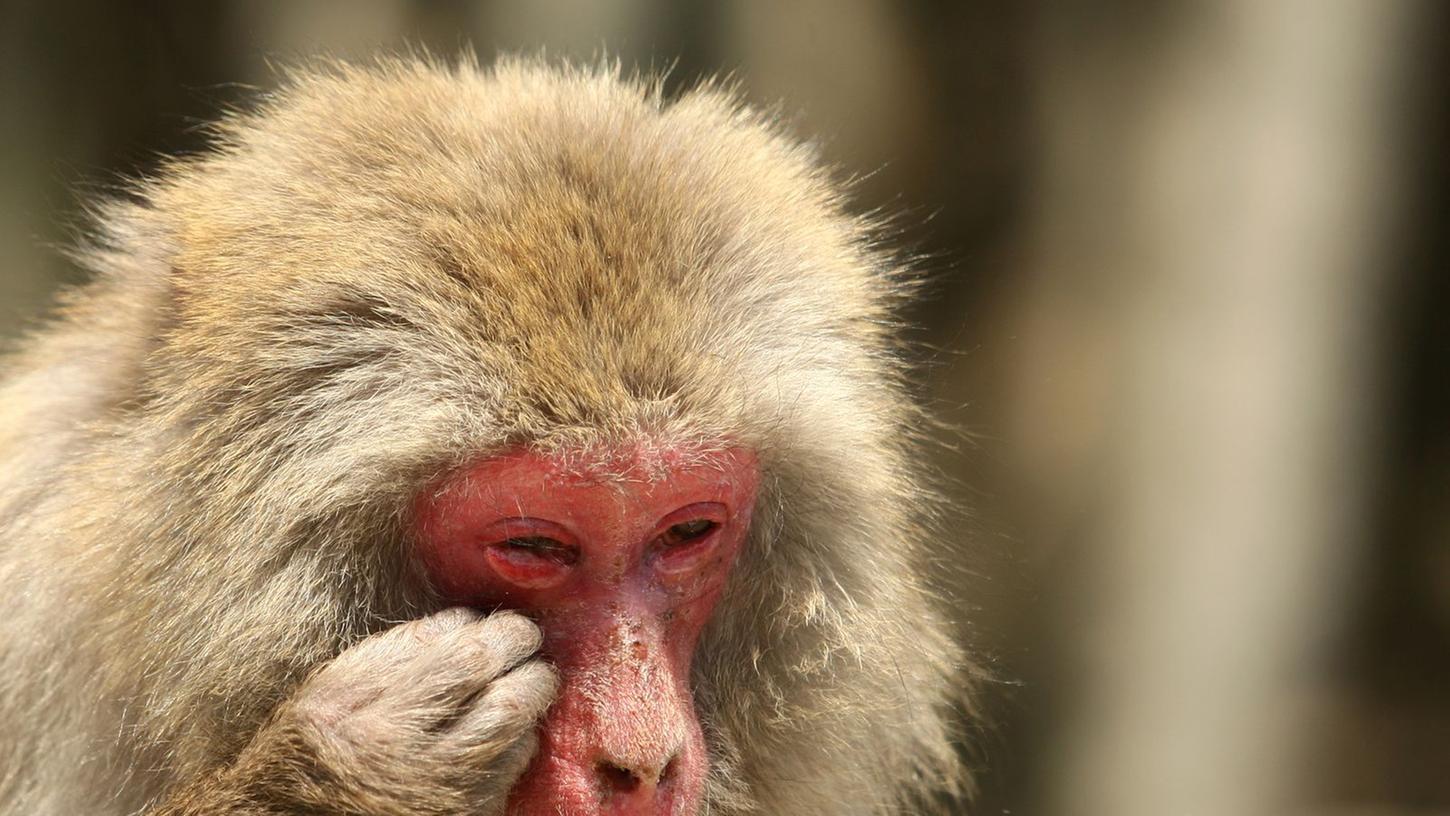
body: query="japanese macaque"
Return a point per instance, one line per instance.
(460, 440)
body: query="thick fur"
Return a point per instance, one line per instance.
(207, 459)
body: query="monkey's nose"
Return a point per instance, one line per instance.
(632, 779)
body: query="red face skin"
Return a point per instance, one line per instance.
(621, 564)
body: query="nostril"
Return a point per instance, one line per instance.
(668, 773)
(615, 779)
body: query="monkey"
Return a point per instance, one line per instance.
(449, 438)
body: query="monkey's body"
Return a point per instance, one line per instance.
(209, 462)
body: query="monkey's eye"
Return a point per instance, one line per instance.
(687, 538)
(541, 547)
(687, 532)
(529, 552)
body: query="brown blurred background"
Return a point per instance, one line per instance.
(1187, 317)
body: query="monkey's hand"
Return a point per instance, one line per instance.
(435, 716)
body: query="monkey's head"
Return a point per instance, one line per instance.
(534, 339)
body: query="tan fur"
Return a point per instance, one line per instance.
(383, 272)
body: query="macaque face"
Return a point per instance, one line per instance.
(621, 560)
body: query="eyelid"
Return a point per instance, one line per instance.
(527, 527)
(683, 556)
(694, 527)
(714, 512)
(542, 547)
(525, 567)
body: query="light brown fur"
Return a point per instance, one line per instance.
(382, 273)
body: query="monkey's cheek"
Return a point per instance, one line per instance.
(553, 785)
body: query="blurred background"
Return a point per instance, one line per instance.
(1186, 321)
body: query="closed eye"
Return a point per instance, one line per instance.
(687, 532)
(549, 549)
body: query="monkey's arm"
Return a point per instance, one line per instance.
(434, 717)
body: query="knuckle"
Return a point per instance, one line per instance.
(398, 640)
(526, 691)
(449, 619)
(512, 632)
(512, 704)
(358, 652)
(507, 755)
(365, 661)
(439, 624)
(319, 711)
(537, 677)
(349, 676)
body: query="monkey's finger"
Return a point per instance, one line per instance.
(448, 620)
(382, 661)
(498, 772)
(490, 647)
(398, 644)
(509, 708)
(461, 663)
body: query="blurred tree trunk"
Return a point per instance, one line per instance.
(1217, 197)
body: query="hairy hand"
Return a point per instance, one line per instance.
(435, 716)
